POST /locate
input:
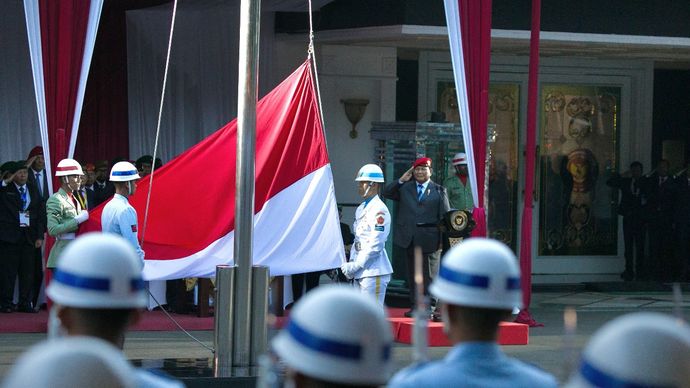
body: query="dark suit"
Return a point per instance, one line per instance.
(17, 243)
(634, 232)
(659, 213)
(416, 224)
(38, 255)
(101, 194)
(32, 180)
(681, 214)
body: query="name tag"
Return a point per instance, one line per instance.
(24, 220)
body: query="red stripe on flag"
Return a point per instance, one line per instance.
(193, 197)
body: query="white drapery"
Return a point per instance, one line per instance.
(455, 39)
(33, 30)
(18, 118)
(201, 93)
(91, 30)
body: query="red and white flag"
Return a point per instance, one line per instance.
(192, 208)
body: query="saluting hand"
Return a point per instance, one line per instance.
(407, 175)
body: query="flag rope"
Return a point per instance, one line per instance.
(311, 54)
(158, 123)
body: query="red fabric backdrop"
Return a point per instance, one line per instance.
(63, 33)
(475, 23)
(104, 126)
(530, 160)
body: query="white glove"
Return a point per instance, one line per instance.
(349, 269)
(81, 217)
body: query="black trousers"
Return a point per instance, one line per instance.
(38, 276)
(298, 281)
(661, 248)
(17, 261)
(634, 237)
(427, 258)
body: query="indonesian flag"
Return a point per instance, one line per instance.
(192, 206)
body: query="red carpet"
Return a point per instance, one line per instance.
(150, 321)
(509, 334)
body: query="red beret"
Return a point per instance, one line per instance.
(38, 150)
(422, 162)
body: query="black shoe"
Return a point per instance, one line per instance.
(6, 310)
(435, 317)
(409, 314)
(26, 309)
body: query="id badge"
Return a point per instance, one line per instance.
(24, 220)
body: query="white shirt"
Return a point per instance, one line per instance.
(119, 217)
(372, 227)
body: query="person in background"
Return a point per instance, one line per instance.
(458, 185)
(22, 225)
(422, 204)
(37, 173)
(630, 207)
(479, 286)
(102, 188)
(37, 177)
(660, 190)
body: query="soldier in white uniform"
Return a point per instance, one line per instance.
(369, 265)
(118, 215)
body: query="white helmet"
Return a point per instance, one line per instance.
(98, 270)
(124, 172)
(72, 362)
(68, 167)
(479, 272)
(370, 173)
(459, 158)
(637, 350)
(337, 334)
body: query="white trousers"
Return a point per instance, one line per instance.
(374, 286)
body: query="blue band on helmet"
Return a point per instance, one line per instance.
(602, 379)
(78, 281)
(138, 284)
(373, 175)
(464, 278)
(125, 173)
(513, 283)
(324, 345)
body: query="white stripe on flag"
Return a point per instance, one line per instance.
(297, 231)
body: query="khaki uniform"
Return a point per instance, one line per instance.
(459, 195)
(61, 223)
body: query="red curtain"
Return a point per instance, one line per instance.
(475, 24)
(104, 126)
(530, 161)
(63, 33)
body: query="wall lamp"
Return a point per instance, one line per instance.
(354, 110)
